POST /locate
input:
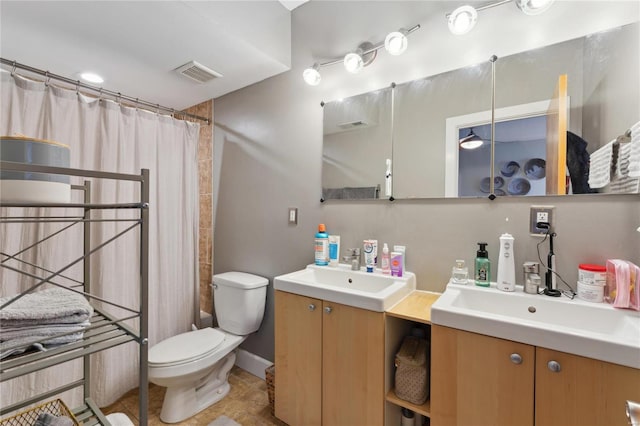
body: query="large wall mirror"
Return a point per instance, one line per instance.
(356, 150)
(420, 125)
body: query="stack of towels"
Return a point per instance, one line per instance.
(616, 166)
(42, 319)
(634, 153)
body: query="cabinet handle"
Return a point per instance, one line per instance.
(312, 307)
(554, 366)
(516, 358)
(328, 309)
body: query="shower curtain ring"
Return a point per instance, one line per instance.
(77, 87)
(48, 79)
(100, 95)
(137, 104)
(13, 70)
(119, 99)
(157, 108)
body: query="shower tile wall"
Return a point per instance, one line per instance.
(205, 163)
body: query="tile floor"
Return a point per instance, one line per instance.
(247, 403)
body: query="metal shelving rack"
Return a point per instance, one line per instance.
(105, 331)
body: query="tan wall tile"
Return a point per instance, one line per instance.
(205, 180)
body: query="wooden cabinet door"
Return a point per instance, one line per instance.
(353, 366)
(298, 359)
(480, 380)
(584, 391)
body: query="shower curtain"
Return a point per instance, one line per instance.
(106, 136)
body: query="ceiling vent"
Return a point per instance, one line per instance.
(197, 72)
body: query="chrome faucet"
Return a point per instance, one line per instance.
(353, 258)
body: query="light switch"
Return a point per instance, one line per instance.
(293, 216)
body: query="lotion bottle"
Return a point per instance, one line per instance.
(482, 266)
(506, 265)
(385, 263)
(322, 246)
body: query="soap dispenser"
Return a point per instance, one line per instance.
(506, 265)
(483, 266)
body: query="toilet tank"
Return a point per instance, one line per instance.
(239, 300)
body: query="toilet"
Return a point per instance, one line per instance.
(195, 366)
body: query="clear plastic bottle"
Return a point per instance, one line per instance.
(385, 263)
(460, 273)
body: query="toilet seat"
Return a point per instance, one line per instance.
(185, 348)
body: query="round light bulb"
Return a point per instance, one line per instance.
(353, 62)
(534, 7)
(396, 43)
(311, 76)
(462, 20)
(91, 77)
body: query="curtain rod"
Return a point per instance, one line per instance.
(117, 95)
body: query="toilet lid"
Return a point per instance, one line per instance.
(186, 346)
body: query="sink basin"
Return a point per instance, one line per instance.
(371, 291)
(594, 330)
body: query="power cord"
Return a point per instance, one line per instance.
(571, 293)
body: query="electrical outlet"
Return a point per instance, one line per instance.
(542, 217)
(540, 214)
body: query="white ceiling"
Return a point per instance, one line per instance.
(136, 45)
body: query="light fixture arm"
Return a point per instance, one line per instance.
(486, 6)
(372, 49)
(490, 5)
(365, 49)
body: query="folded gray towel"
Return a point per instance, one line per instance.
(19, 345)
(50, 306)
(46, 330)
(46, 419)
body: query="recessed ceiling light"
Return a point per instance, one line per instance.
(91, 77)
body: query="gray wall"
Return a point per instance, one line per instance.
(268, 147)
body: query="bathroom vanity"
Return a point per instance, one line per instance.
(496, 358)
(506, 359)
(330, 351)
(483, 380)
(329, 362)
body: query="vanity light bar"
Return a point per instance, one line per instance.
(464, 18)
(395, 43)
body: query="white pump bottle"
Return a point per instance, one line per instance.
(506, 264)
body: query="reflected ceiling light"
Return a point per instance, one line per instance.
(395, 43)
(312, 75)
(462, 20)
(471, 141)
(91, 77)
(533, 7)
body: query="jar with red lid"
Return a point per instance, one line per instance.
(592, 274)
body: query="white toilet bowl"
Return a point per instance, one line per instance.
(195, 366)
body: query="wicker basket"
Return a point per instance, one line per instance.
(28, 417)
(270, 374)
